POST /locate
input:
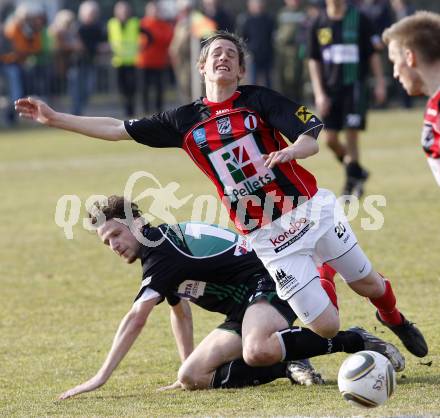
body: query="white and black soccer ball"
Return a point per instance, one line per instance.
(366, 379)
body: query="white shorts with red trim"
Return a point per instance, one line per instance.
(313, 233)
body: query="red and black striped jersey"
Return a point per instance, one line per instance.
(227, 140)
(431, 127)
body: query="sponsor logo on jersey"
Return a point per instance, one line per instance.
(250, 122)
(238, 164)
(296, 231)
(199, 136)
(221, 111)
(191, 289)
(303, 114)
(240, 168)
(325, 36)
(224, 126)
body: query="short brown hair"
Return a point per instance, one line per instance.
(235, 39)
(113, 208)
(419, 32)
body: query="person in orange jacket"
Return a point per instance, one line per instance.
(153, 58)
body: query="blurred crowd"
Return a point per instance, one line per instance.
(62, 55)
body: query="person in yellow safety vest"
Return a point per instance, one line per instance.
(123, 37)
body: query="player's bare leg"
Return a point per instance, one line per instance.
(217, 348)
(356, 175)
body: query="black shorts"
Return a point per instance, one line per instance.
(348, 108)
(265, 290)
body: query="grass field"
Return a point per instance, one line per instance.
(61, 300)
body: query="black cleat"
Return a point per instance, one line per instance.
(373, 343)
(354, 185)
(410, 336)
(301, 372)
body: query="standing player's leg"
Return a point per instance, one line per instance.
(354, 111)
(331, 137)
(338, 247)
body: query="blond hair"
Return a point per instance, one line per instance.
(419, 32)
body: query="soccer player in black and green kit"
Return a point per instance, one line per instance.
(217, 270)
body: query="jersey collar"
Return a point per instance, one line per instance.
(221, 104)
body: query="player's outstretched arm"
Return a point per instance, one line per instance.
(305, 146)
(182, 326)
(110, 129)
(129, 329)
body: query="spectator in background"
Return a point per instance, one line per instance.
(380, 15)
(82, 77)
(402, 9)
(180, 49)
(257, 28)
(291, 40)
(153, 58)
(123, 37)
(40, 77)
(23, 34)
(66, 45)
(341, 51)
(213, 10)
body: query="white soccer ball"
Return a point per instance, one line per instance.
(366, 379)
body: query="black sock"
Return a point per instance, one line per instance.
(300, 343)
(237, 374)
(353, 169)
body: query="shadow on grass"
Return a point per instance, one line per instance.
(404, 379)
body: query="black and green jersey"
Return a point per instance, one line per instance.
(209, 265)
(343, 47)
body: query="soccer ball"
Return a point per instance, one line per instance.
(366, 379)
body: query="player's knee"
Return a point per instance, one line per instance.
(187, 378)
(371, 286)
(259, 353)
(327, 324)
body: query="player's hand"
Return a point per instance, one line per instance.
(175, 385)
(278, 157)
(34, 109)
(92, 384)
(322, 103)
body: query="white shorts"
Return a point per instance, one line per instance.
(291, 246)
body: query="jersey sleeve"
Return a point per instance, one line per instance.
(159, 130)
(288, 117)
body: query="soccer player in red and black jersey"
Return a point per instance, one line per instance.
(414, 49)
(234, 136)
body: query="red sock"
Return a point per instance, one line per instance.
(327, 275)
(327, 272)
(386, 306)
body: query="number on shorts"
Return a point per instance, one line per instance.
(340, 229)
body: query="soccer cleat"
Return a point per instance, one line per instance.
(373, 343)
(354, 185)
(410, 336)
(301, 372)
